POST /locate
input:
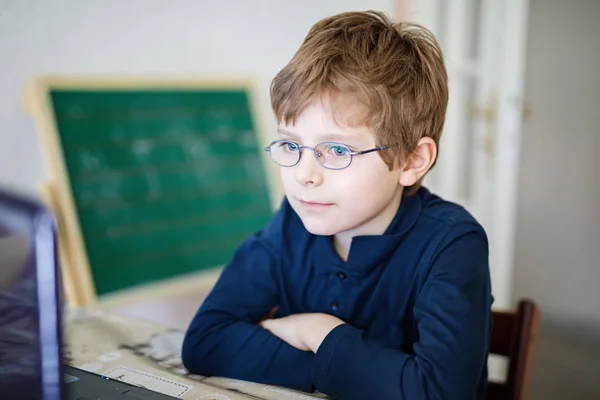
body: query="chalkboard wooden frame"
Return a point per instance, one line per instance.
(39, 105)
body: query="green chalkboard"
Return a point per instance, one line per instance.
(164, 181)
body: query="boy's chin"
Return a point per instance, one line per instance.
(320, 228)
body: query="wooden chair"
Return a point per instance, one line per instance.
(514, 336)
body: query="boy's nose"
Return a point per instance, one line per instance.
(308, 170)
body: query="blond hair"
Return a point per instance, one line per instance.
(396, 70)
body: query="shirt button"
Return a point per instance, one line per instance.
(341, 275)
(335, 306)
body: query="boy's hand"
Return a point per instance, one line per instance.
(305, 332)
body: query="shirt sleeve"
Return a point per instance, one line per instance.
(224, 339)
(452, 313)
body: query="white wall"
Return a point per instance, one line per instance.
(156, 37)
(558, 228)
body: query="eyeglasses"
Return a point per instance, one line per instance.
(330, 155)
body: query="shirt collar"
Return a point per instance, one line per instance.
(367, 252)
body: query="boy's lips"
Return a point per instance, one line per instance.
(314, 204)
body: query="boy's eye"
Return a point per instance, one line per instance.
(289, 146)
(338, 150)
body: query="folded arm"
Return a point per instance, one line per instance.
(225, 338)
(453, 318)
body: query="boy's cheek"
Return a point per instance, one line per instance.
(287, 178)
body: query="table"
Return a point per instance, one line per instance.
(147, 354)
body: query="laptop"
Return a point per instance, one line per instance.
(30, 336)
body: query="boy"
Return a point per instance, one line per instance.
(380, 290)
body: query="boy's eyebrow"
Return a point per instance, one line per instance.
(327, 136)
(284, 132)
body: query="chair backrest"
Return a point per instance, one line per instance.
(514, 336)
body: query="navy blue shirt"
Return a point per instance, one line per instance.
(416, 302)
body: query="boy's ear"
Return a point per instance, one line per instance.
(418, 162)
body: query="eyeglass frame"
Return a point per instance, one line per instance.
(314, 149)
